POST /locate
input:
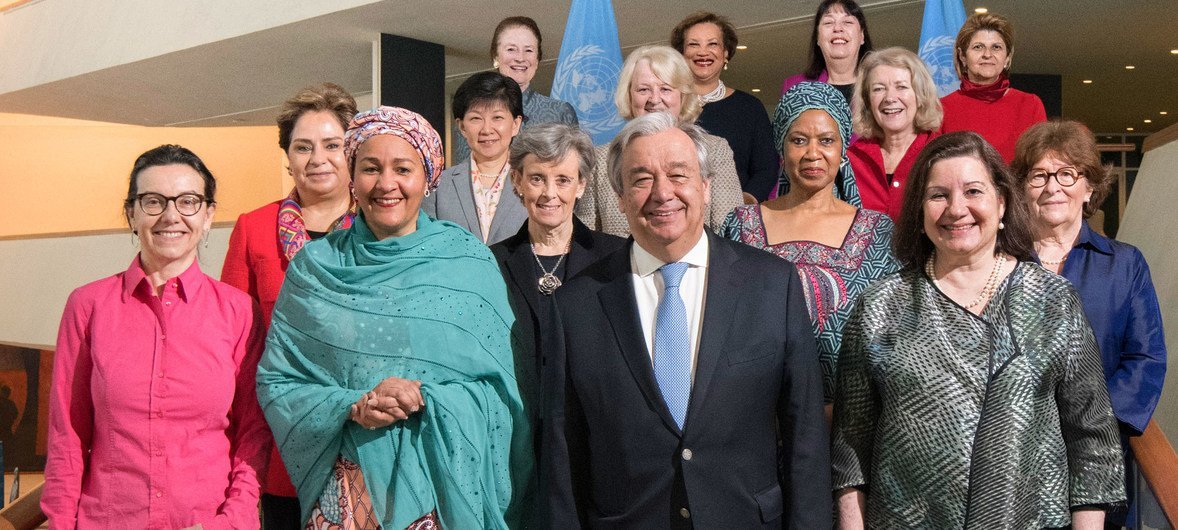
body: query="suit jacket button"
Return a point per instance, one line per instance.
(683, 512)
(687, 454)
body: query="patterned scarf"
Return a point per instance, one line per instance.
(292, 232)
(402, 123)
(812, 95)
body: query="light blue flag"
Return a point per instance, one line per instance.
(588, 66)
(942, 21)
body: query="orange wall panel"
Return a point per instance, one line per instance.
(61, 175)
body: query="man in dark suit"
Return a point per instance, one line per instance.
(689, 365)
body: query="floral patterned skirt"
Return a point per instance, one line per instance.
(346, 505)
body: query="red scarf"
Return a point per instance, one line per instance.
(988, 93)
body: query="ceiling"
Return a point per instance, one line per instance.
(240, 81)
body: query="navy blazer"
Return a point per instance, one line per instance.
(538, 359)
(618, 458)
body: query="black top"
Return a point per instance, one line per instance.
(315, 235)
(539, 358)
(549, 262)
(741, 119)
(846, 91)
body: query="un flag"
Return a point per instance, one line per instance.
(938, 31)
(588, 66)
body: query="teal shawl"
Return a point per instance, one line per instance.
(428, 306)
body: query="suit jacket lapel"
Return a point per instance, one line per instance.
(581, 254)
(621, 309)
(464, 193)
(719, 307)
(519, 267)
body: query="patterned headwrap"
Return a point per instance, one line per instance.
(811, 95)
(405, 124)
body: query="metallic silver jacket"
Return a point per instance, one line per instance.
(946, 419)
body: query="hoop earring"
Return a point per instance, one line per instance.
(427, 191)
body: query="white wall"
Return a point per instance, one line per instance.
(1148, 224)
(39, 274)
(56, 39)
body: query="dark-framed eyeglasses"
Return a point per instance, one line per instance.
(1065, 176)
(186, 203)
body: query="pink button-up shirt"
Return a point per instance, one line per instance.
(153, 414)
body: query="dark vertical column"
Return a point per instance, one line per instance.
(413, 76)
(1048, 87)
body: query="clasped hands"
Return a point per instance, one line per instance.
(392, 400)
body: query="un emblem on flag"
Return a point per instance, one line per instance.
(586, 79)
(937, 54)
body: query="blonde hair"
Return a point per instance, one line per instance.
(928, 106)
(670, 67)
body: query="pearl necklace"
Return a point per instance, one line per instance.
(1046, 262)
(715, 95)
(548, 282)
(987, 290)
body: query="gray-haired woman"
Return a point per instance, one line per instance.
(550, 165)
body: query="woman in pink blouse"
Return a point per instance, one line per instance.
(153, 416)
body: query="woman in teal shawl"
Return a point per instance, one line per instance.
(388, 379)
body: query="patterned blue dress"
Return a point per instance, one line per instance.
(832, 278)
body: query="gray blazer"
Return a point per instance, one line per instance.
(454, 201)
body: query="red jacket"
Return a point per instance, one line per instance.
(255, 264)
(874, 188)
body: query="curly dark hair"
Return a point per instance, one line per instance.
(705, 17)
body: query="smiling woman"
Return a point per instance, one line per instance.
(389, 364)
(1017, 387)
(708, 42)
(516, 51)
(311, 128)
(163, 355)
(896, 114)
(476, 193)
(986, 104)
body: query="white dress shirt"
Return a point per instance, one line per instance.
(648, 288)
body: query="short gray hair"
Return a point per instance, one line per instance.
(550, 142)
(649, 125)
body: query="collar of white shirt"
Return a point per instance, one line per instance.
(646, 264)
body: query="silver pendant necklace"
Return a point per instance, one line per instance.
(548, 281)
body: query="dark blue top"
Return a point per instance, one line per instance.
(1122, 307)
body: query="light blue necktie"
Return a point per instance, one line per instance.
(672, 350)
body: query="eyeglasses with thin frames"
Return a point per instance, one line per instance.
(187, 204)
(1065, 176)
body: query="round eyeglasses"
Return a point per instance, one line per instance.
(186, 203)
(1065, 176)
